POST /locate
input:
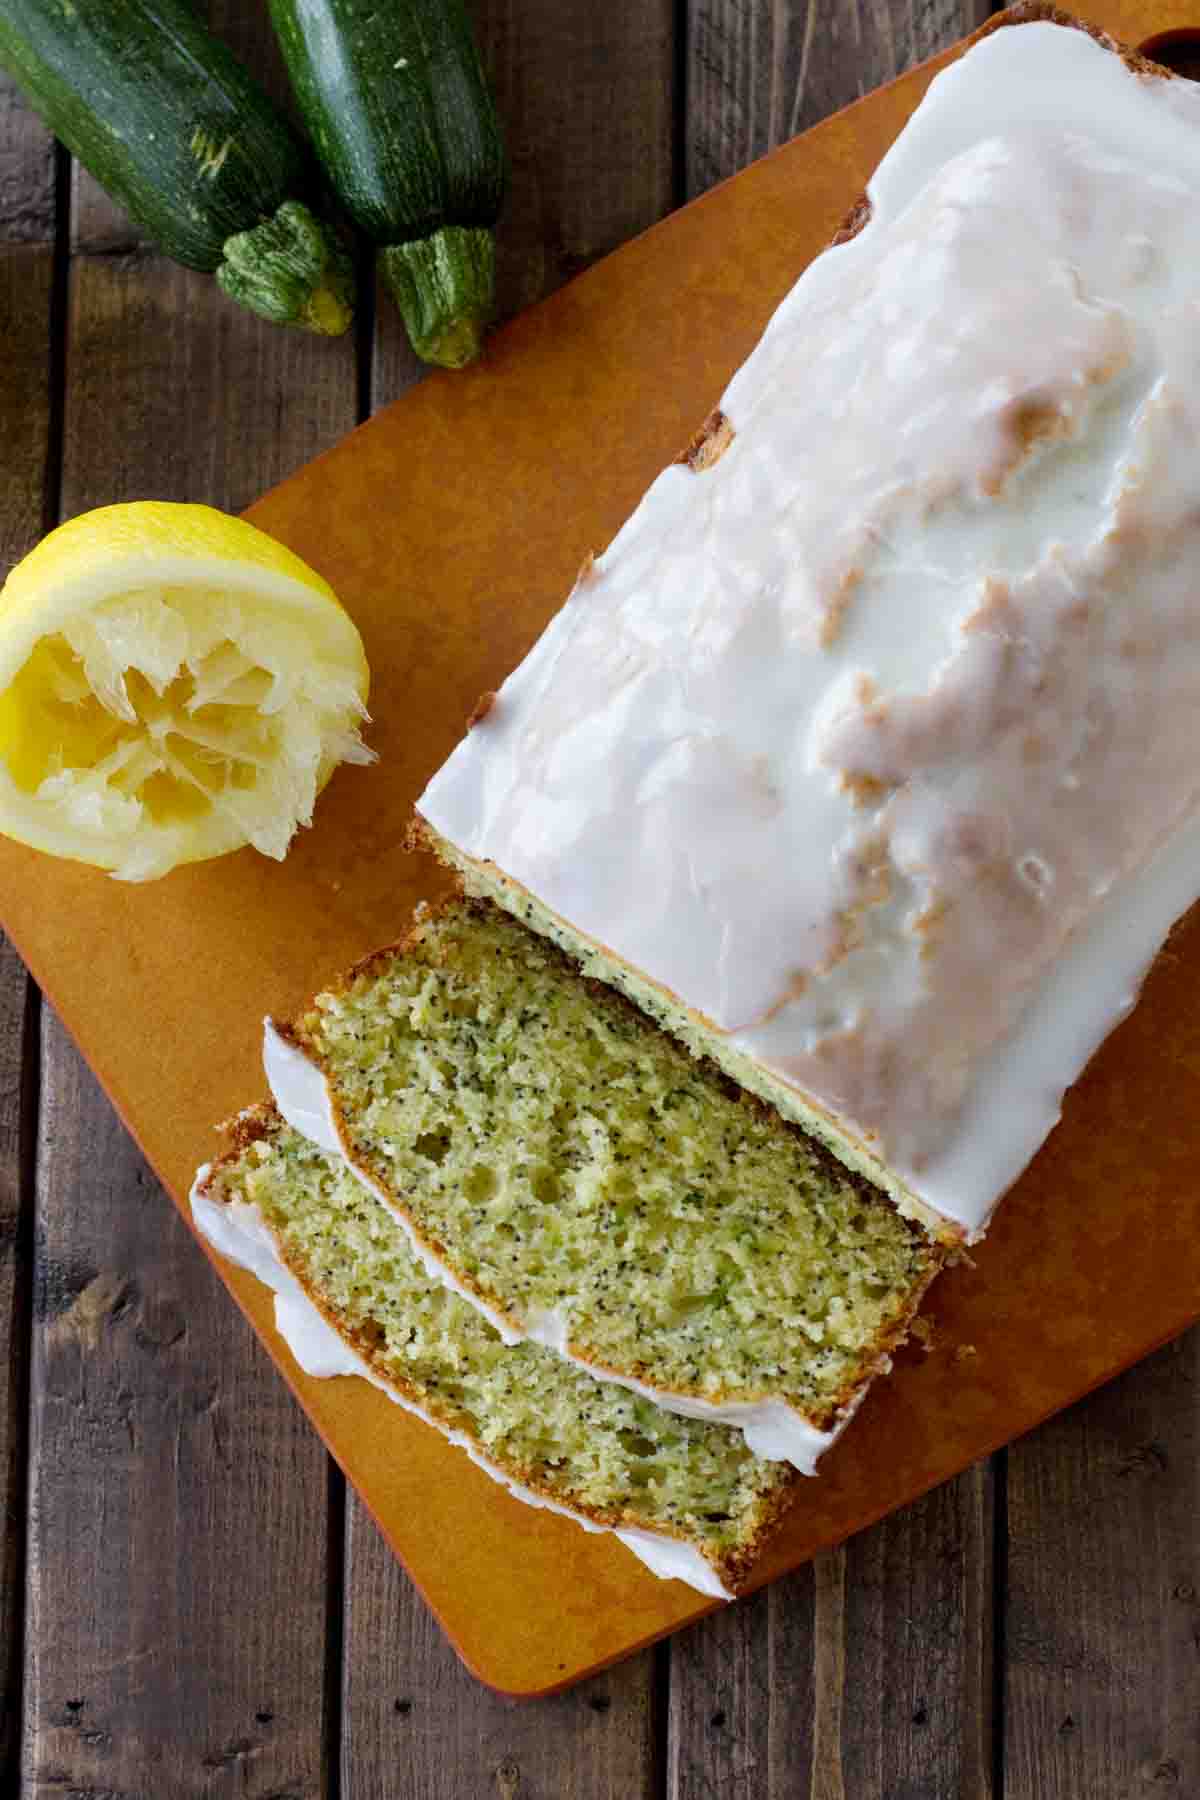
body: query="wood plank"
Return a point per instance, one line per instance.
(18, 1016)
(586, 93)
(27, 180)
(177, 1551)
(759, 71)
(27, 230)
(865, 1677)
(741, 1718)
(918, 1635)
(587, 97)
(411, 1705)
(177, 1600)
(1102, 1689)
(871, 1675)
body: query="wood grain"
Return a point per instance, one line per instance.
(1102, 1671)
(18, 1018)
(586, 94)
(173, 392)
(417, 1726)
(759, 71)
(177, 1546)
(866, 1677)
(174, 1648)
(741, 1698)
(27, 232)
(916, 1717)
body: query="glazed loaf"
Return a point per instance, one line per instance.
(863, 758)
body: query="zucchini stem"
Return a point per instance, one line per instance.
(445, 287)
(292, 270)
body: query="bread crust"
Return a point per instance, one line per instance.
(1026, 12)
(261, 1123)
(948, 1233)
(875, 1357)
(708, 445)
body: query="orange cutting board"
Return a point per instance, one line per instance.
(452, 525)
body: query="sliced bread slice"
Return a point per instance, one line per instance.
(686, 1497)
(573, 1172)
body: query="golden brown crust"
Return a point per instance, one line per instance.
(367, 966)
(948, 1233)
(259, 1122)
(853, 222)
(732, 1567)
(1027, 12)
(263, 1121)
(874, 1357)
(708, 445)
(418, 836)
(481, 709)
(248, 1127)
(283, 1028)
(737, 1567)
(1035, 12)
(618, 1005)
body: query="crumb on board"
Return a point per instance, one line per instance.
(481, 709)
(925, 1332)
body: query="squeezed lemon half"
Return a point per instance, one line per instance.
(173, 684)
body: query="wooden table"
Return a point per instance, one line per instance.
(191, 1604)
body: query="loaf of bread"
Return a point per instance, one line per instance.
(863, 758)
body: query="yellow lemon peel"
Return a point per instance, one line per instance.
(174, 684)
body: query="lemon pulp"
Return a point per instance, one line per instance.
(174, 684)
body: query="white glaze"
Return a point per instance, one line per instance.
(237, 1230)
(302, 1095)
(672, 1560)
(873, 743)
(300, 1091)
(771, 1427)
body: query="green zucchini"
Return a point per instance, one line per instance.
(168, 121)
(397, 103)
